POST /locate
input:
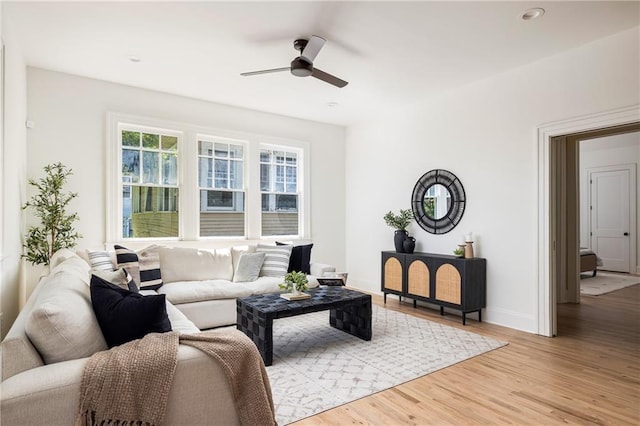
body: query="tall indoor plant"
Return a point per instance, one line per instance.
(400, 223)
(56, 229)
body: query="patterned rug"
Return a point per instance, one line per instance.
(604, 283)
(316, 367)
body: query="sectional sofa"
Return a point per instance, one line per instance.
(47, 347)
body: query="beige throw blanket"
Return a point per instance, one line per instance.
(129, 384)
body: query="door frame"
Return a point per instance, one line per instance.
(546, 311)
(631, 168)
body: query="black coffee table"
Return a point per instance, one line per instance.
(350, 311)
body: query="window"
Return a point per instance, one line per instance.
(279, 192)
(149, 177)
(181, 181)
(220, 181)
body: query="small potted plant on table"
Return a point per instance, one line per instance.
(295, 283)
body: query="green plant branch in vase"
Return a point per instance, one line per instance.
(50, 206)
(399, 221)
(295, 282)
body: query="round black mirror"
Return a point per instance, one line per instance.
(438, 201)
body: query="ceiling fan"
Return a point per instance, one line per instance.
(302, 66)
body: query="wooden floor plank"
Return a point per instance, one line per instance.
(589, 374)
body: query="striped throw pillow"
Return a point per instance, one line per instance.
(143, 265)
(100, 261)
(276, 260)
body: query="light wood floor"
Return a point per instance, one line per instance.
(589, 374)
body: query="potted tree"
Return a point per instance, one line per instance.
(400, 222)
(50, 206)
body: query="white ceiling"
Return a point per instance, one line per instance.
(392, 53)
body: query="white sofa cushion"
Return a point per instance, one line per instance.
(196, 291)
(248, 268)
(62, 325)
(189, 264)
(265, 285)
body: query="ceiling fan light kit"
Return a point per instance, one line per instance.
(302, 66)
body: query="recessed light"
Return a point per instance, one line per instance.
(332, 104)
(532, 14)
(134, 58)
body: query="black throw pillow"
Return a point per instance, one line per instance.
(124, 315)
(300, 258)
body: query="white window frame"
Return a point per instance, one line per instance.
(228, 141)
(188, 184)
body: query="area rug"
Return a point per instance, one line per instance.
(316, 367)
(604, 283)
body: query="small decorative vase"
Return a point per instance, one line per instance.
(409, 245)
(398, 239)
(295, 291)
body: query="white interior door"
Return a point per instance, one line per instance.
(610, 217)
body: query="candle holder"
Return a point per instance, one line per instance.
(468, 250)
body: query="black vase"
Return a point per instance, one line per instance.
(409, 245)
(398, 239)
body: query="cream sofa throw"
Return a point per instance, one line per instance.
(115, 390)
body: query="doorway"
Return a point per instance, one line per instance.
(553, 258)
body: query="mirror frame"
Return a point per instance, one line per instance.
(456, 209)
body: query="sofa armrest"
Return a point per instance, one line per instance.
(48, 395)
(319, 269)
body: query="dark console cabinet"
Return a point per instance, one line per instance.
(447, 281)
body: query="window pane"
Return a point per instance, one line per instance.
(235, 151)
(292, 158)
(205, 148)
(150, 141)
(279, 214)
(265, 156)
(221, 213)
(130, 138)
(264, 177)
(169, 169)
(130, 165)
(150, 167)
(279, 183)
(279, 157)
(235, 175)
(221, 173)
(169, 143)
(205, 172)
(222, 150)
(292, 179)
(149, 212)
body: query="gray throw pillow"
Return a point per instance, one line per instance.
(249, 267)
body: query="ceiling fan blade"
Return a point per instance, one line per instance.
(312, 48)
(328, 78)
(246, 74)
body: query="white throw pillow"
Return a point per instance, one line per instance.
(62, 325)
(189, 264)
(237, 251)
(100, 260)
(276, 260)
(249, 267)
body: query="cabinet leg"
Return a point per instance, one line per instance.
(400, 299)
(385, 298)
(464, 318)
(415, 303)
(441, 310)
(479, 315)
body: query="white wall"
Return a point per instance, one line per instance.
(485, 133)
(13, 175)
(70, 118)
(608, 151)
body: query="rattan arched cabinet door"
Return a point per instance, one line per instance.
(418, 278)
(392, 274)
(448, 284)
